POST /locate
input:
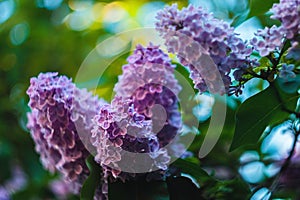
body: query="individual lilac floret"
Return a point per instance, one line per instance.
(288, 13)
(206, 45)
(286, 71)
(119, 129)
(268, 40)
(59, 112)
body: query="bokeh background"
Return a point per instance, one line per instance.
(57, 35)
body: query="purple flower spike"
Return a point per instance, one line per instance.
(59, 112)
(143, 117)
(196, 37)
(148, 80)
(119, 129)
(268, 40)
(288, 13)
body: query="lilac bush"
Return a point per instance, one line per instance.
(136, 135)
(132, 123)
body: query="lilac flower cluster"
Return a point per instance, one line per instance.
(135, 120)
(143, 118)
(148, 80)
(59, 111)
(267, 40)
(288, 13)
(119, 130)
(270, 39)
(196, 37)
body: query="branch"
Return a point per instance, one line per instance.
(251, 72)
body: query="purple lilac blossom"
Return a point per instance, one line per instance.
(196, 36)
(271, 39)
(288, 13)
(286, 71)
(4, 194)
(17, 182)
(267, 40)
(59, 110)
(143, 117)
(119, 129)
(148, 80)
(61, 188)
(294, 50)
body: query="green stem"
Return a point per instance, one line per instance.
(251, 72)
(285, 45)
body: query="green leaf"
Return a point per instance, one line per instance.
(193, 170)
(259, 7)
(210, 188)
(264, 65)
(232, 189)
(93, 181)
(139, 189)
(239, 19)
(182, 188)
(259, 111)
